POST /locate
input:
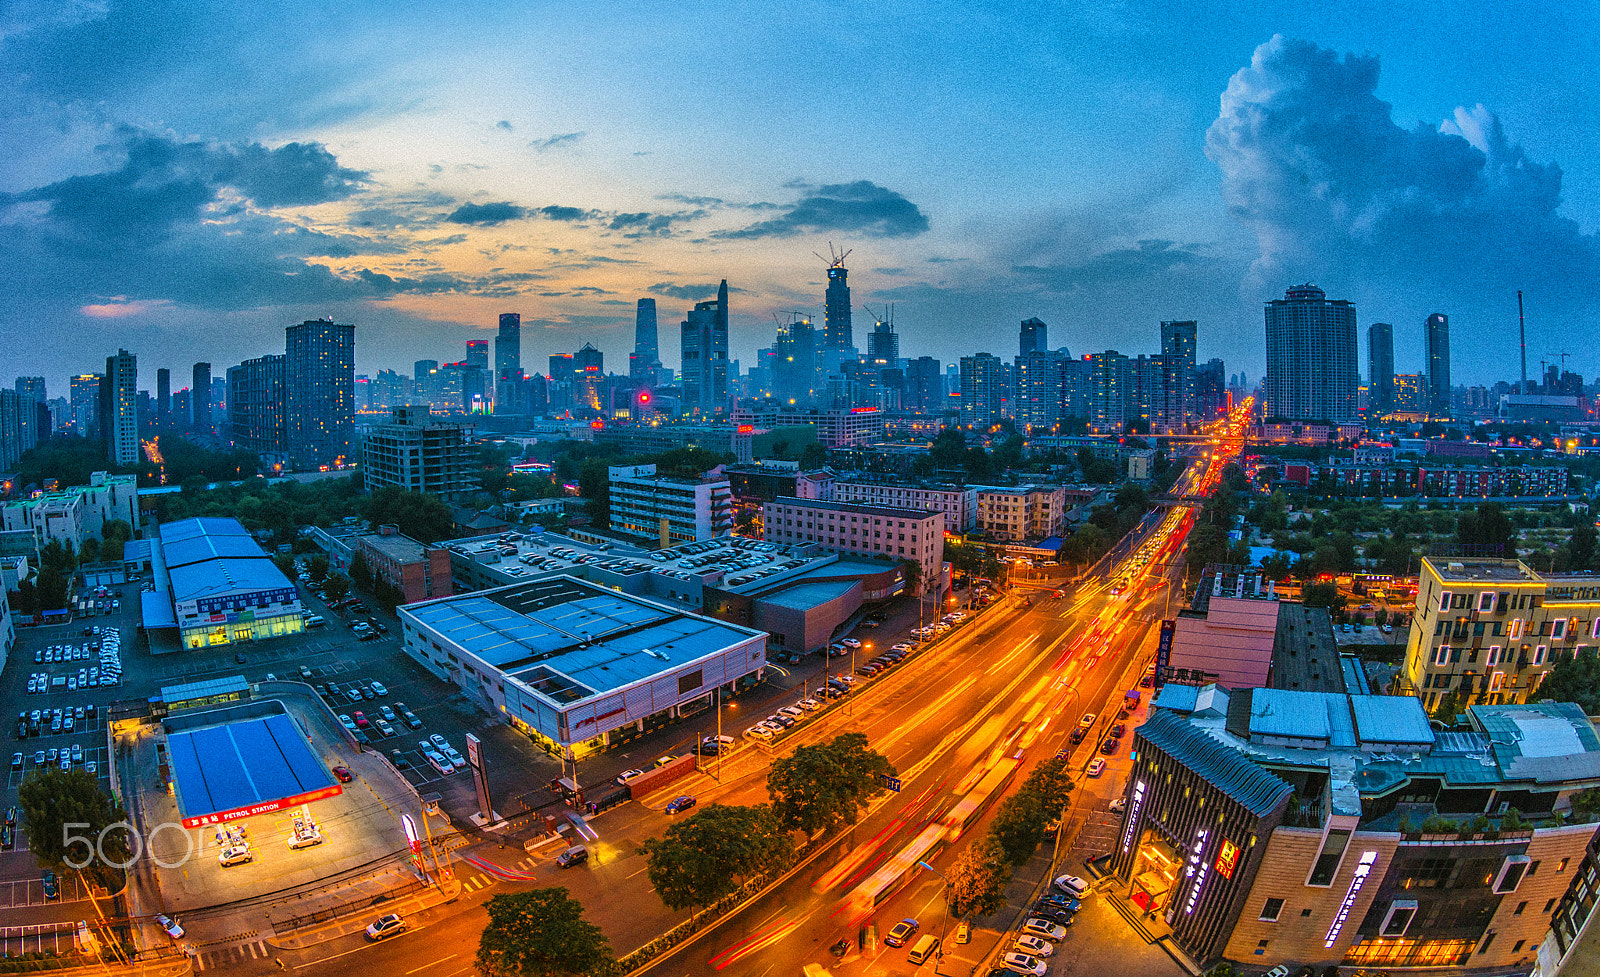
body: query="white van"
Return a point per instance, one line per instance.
(315, 621)
(924, 949)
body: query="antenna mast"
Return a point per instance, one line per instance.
(1522, 328)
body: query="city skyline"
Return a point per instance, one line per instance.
(1123, 185)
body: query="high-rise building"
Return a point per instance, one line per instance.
(983, 397)
(477, 354)
(1311, 357)
(32, 387)
(415, 452)
(200, 398)
(1110, 391)
(1177, 375)
(1437, 331)
(1041, 379)
(85, 398)
(256, 404)
(795, 378)
(163, 396)
(1033, 336)
(646, 357)
(883, 344)
(119, 408)
(319, 393)
(836, 331)
(20, 425)
(1210, 391)
(704, 336)
(924, 385)
(507, 363)
(589, 373)
(1380, 367)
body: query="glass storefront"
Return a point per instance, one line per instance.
(1409, 953)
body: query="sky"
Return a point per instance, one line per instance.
(186, 179)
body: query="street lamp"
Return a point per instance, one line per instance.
(721, 749)
(944, 928)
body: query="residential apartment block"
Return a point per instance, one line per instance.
(959, 503)
(905, 534)
(414, 451)
(70, 516)
(672, 510)
(1021, 513)
(836, 428)
(1488, 630)
(419, 571)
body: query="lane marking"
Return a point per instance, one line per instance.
(434, 964)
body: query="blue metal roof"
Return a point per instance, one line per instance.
(207, 557)
(240, 764)
(1223, 767)
(1391, 719)
(1295, 714)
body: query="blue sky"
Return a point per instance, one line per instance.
(185, 179)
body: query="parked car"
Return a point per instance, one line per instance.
(171, 926)
(1036, 945)
(1044, 929)
(627, 775)
(1097, 767)
(1022, 963)
(343, 773)
(1070, 885)
(386, 926)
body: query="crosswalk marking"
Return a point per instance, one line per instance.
(228, 955)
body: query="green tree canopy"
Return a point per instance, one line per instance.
(821, 787)
(360, 571)
(337, 586)
(1574, 678)
(712, 852)
(540, 934)
(1488, 530)
(421, 515)
(60, 807)
(317, 567)
(1322, 595)
(977, 880)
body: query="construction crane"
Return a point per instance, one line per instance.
(837, 259)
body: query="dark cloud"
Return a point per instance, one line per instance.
(556, 213)
(504, 125)
(494, 213)
(861, 207)
(561, 141)
(892, 272)
(1116, 266)
(650, 225)
(1336, 192)
(689, 293)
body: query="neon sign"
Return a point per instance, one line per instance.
(1133, 815)
(1363, 869)
(1227, 858)
(1197, 868)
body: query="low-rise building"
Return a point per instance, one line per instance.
(959, 503)
(418, 571)
(573, 665)
(758, 483)
(670, 509)
(71, 515)
(1488, 630)
(1267, 826)
(419, 453)
(916, 535)
(838, 427)
(1021, 512)
(218, 586)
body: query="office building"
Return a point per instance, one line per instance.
(1311, 357)
(1210, 391)
(916, 535)
(836, 330)
(1032, 337)
(32, 387)
(163, 397)
(645, 360)
(1437, 332)
(256, 404)
(507, 364)
(924, 386)
(573, 665)
(1408, 396)
(669, 509)
(119, 409)
(1271, 826)
(1177, 399)
(477, 354)
(838, 427)
(983, 391)
(1041, 381)
(1488, 630)
(796, 379)
(319, 393)
(1380, 367)
(200, 399)
(415, 452)
(704, 347)
(883, 344)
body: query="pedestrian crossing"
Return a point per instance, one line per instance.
(225, 957)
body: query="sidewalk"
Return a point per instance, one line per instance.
(358, 919)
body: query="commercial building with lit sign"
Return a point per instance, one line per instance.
(216, 586)
(240, 761)
(574, 665)
(1271, 826)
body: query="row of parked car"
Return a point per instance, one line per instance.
(1045, 927)
(49, 722)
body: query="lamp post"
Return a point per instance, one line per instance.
(944, 928)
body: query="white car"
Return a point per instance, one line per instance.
(237, 855)
(1022, 963)
(627, 775)
(385, 926)
(810, 703)
(439, 762)
(1097, 766)
(793, 712)
(1035, 946)
(379, 688)
(1071, 885)
(850, 642)
(1045, 930)
(171, 926)
(759, 732)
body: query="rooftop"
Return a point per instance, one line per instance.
(1252, 786)
(207, 556)
(1304, 655)
(401, 549)
(233, 759)
(858, 508)
(570, 640)
(1469, 570)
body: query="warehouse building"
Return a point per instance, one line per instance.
(216, 586)
(574, 665)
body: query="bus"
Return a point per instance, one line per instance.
(979, 798)
(897, 871)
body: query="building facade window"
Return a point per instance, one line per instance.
(1270, 911)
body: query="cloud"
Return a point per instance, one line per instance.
(1313, 163)
(120, 307)
(504, 125)
(557, 213)
(495, 213)
(1119, 265)
(861, 207)
(689, 293)
(562, 141)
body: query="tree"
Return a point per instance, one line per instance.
(1448, 707)
(1487, 530)
(540, 934)
(1574, 678)
(1581, 544)
(89, 552)
(977, 880)
(913, 574)
(714, 851)
(317, 567)
(360, 571)
(820, 788)
(70, 822)
(1322, 595)
(813, 457)
(1018, 827)
(421, 515)
(285, 564)
(594, 484)
(337, 586)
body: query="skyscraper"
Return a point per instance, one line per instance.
(477, 354)
(119, 408)
(32, 387)
(836, 332)
(794, 367)
(163, 396)
(1210, 391)
(1041, 377)
(1380, 367)
(1032, 337)
(704, 344)
(982, 390)
(1311, 357)
(646, 357)
(883, 343)
(256, 404)
(507, 363)
(924, 389)
(200, 398)
(1437, 329)
(1177, 408)
(85, 398)
(1110, 391)
(319, 374)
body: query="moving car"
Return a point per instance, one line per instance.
(625, 776)
(386, 926)
(901, 932)
(343, 773)
(680, 803)
(576, 855)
